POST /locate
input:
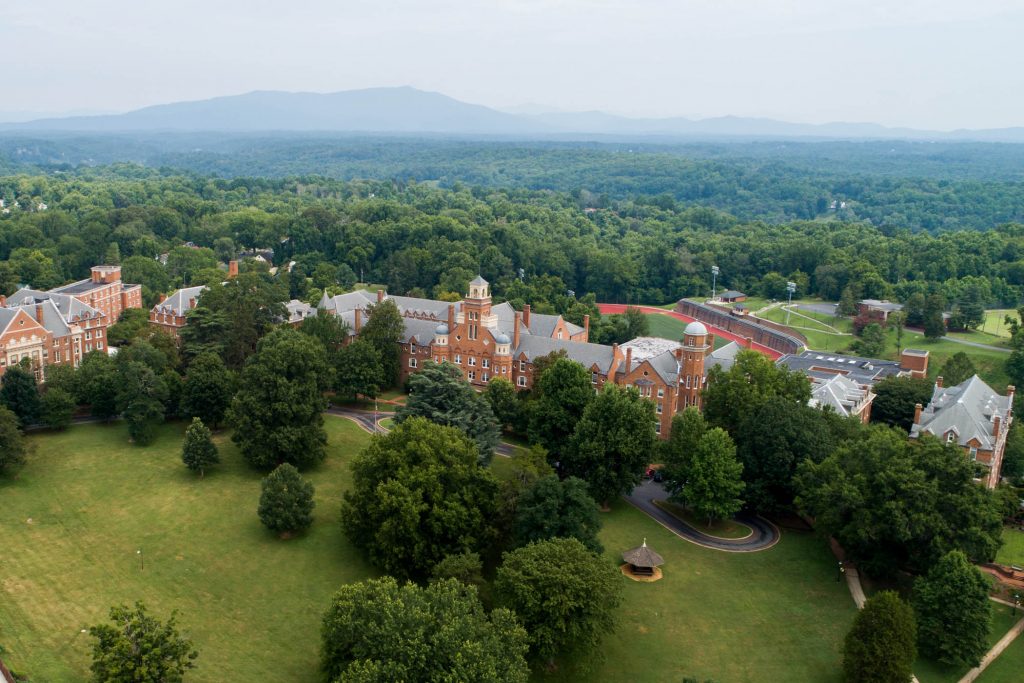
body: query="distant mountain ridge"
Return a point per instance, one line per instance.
(408, 110)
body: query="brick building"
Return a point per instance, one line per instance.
(61, 325)
(973, 416)
(488, 340)
(170, 312)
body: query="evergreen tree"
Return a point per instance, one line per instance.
(953, 611)
(140, 398)
(934, 325)
(139, 648)
(198, 451)
(562, 391)
(612, 443)
(112, 257)
(872, 341)
(13, 447)
(384, 331)
(277, 412)
(714, 480)
(880, 646)
(207, 391)
(56, 408)
(98, 385)
(847, 302)
(286, 501)
(18, 392)
(440, 393)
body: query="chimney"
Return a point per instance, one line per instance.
(515, 327)
(380, 295)
(586, 327)
(191, 303)
(359, 319)
(3, 301)
(679, 354)
(232, 269)
(938, 381)
(629, 359)
(917, 414)
(526, 315)
(1010, 391)
(451, 318)
(995, 427)
(39, 313)
(710, 343)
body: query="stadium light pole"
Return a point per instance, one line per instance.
(714, 281)
(790, 288)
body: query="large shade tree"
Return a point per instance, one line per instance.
(714, 477)
(378, 630)
(208, 389)
(752, 380)
(418, 495)
(612, 443)
(562, 391)
(953, 611)
(384, 330)
(554, 508)
(880, 646)
(277, 412)
(136, 647)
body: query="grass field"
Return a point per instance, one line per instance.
(775, 615)
(1008, 667)
(933, 672)
(667, 327)
(1012, 551)
(250, 602)
(723, 528)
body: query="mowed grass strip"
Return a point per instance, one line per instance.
(250, 602)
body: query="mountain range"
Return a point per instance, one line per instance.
(406, 110)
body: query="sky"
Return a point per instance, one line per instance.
(933, 64)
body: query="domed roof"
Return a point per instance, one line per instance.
(696, 328)
(441, 329)
(502, 338)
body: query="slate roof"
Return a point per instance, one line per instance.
(534, 346)
(478, 280)
(421, 330)
(823, 365)
(52, 320)
(887, 306)
(6, 316)
(839, 393)
(967, 409)
(70, 308)
(723, 357)
(643, 557)
(179, 302)
(299, 310)
(731, 294)
(350, 301)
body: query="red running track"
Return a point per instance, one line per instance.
(613, 309)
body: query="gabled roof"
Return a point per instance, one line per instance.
(724, 356)
(350, 301)
(589, 355)
(420, 330)
(543, 325)
(70, 308)
(968, 410)
(299, 310)
(839, 393)
(52, 320)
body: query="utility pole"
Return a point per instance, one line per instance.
(714, 281)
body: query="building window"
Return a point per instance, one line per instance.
(657, 428)
(88, 335)
(521, 381)
(661, 392)
(412, 362)
(593, 378)
(458, 359)
(688, 381)
(485, 377)
(472, 361)
(659, 407)
(949, 436)
(486, 362)
(99, 345)
(974, 454)
(99, 333)
(412, 348)
(559, 334)
(522, 366)
(472, 375)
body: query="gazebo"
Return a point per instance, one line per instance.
(643, 561)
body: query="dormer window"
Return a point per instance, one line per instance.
(949, 436)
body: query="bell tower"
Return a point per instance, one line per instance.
(691, 365)
(476, 308)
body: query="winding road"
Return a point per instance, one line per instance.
(765, 533)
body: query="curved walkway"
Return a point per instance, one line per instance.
(765, 533)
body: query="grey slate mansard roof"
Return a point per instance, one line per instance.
(823, 365)
(70, 307)
(967, 409)
(587, 354)
(178, 302)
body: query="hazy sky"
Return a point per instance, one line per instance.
(923, 63)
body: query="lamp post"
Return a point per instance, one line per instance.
(1016, 603)
(840, 570)
(374, 414)
(790, 288)
(142, 559)
(714, 281)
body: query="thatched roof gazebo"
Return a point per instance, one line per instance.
(643, 561)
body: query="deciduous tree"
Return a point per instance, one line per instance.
(957, 368)
(553, 508)
(13, 447)
(895, 398)
(384, 330)
(359, 370)
(139, 648)
(714, 480)
(953, 611)
(208, 389)
(140, 398)
(752, 380)
(562, 392)
(18, 392)
(286, 501)
(880, 646)
(56, 408)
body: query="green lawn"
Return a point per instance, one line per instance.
(1008, 667)
(1012, 551)
(723, 528)
(933, 672)
(71, 523)
(665, 326)
(775, 615)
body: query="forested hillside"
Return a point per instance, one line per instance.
(892, 185)
(419, 238)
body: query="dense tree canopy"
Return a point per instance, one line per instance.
(286, 501)
(139, 648)
(881, 645)
(895, 398)
(278, 410)
(418, 495)
(752, 380)
(554, 508)
(953, 611)
(378, 630)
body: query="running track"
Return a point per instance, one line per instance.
(621, 308)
